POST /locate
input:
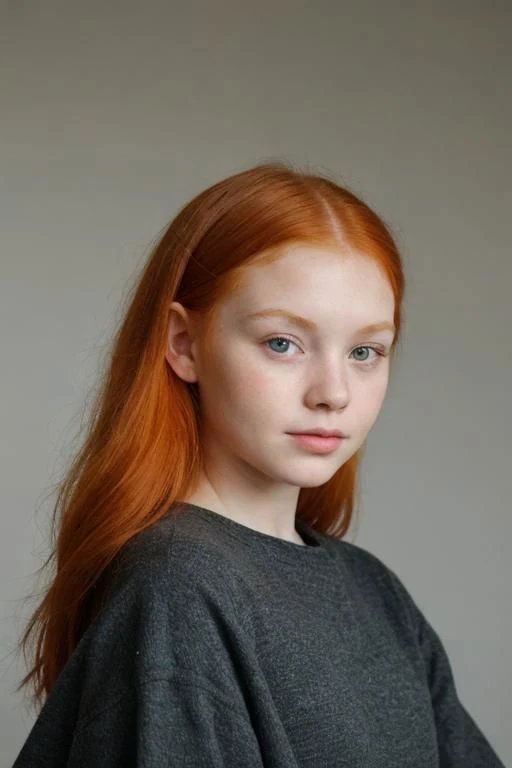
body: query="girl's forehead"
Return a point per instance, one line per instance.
(315, 288)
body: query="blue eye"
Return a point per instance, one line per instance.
(279, 338)
(279, 352)
(359, 348)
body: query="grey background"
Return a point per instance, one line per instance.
(113, 115)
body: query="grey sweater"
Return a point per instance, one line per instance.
(219, 645)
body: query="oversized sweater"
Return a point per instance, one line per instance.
(221, 646)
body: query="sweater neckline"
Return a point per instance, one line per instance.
(313, 549)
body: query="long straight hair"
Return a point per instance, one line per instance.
(142, 453)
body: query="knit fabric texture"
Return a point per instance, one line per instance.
(220, 646)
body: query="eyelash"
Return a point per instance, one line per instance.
(378, 350)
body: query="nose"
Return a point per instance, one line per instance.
(330, 387)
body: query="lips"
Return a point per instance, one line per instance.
(321, 433)
(316, 443)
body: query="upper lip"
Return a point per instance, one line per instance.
(323, 432)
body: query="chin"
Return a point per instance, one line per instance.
(310, 477)
(315, 483)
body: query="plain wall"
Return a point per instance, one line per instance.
(113, 115)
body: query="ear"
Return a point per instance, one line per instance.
(180, 347)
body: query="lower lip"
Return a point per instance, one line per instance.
(317, 443)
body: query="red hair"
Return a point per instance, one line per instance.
(142, 452)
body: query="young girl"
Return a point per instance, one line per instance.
(205, 609)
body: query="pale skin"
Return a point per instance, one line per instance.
(256, 393)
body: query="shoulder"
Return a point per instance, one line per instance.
(377, 583)
(167, 561)
(177, 567)
(363, 564)
(168, 610)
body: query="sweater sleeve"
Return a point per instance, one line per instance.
(461, 743)
(152, 682)
(171, 722)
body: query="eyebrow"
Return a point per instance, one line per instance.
(309, 325)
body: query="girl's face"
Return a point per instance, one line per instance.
(271, 377)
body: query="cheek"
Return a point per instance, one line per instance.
(257, 398)
(237, 384)
(254, 392)
(371, 397)
(377, 387)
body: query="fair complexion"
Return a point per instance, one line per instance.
(272, 377)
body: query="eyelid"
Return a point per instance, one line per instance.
(381, 353)
(373, 344)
